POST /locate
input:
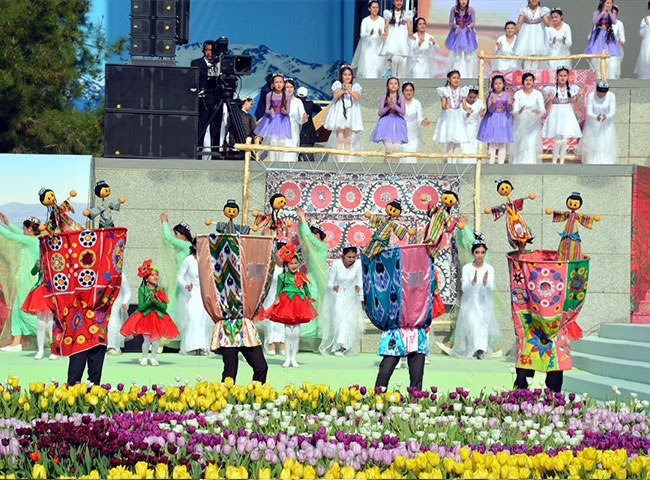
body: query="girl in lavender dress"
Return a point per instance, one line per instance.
(391, 127)
(531, 33)
(275, 126)
(602, 35)
(496, 126)
(450, 128)
(461, 41)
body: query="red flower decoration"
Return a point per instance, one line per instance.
(287, 252)
(145, 269)
(300, 279)
(161, 296)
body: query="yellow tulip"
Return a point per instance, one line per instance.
(347, 472)
(119, 473)
(26, 407)
(285, 473)
(400, 461)
(464, 453)
(6, 396)
(38, 471)
(141, 469)
(180, 471)
(265, 474)
(309, 472)
(161, 471)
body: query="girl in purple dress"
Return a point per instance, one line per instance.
(391, 127)
(461, 41)
(275, 126)
(496, 126)
(602, 34)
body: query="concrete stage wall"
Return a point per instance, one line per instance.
(193, 190)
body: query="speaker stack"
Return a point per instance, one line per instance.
(157, 26)
(151, 111)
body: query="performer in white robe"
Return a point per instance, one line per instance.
(342, 318)
(559, 39)
(414, 119)
(599, 145)
(119, 312)
(642, 68)
(366, 60)
(421, 63)
(614, 70)
(477, 331)
(504, 46)
(527, 111)
(272, 332)
(474, 111)
(195, 325)
(297, 116)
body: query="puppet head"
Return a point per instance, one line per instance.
(47, 197)
(278, 201)
(102, 189)
(504, 187)
(231, 209)
(574, 201)
(394, 209)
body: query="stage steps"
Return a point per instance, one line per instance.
(619, 356)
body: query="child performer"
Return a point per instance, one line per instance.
(151, 319)
(496, 126)
(642, 68)
(397, 27)
(504, 46)
(119, 311)
(344, 113)
(461, 41)
(293, 303)
(366, 57)
(602, 34)
(527, 110)
(531, 33)
(275, 126)
(297, 116)
(474, 110)
(450, 129)
(570, 247)
(559, 39)
(477, 330)
(423, 52)
(599, 145)
(615, 62)
(414, 120)
(391, 126)
(37, 304)
(519, 235)
(561, 123)
(342, 319)
(22, 323)
(273, 332)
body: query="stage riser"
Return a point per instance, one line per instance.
(612, 367)
(601, 387)
(633, 333)
(621, 349)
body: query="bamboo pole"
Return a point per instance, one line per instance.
(603, 65)
(576, 56)
(247, 180)
(479, 163)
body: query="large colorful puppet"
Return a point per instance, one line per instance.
(104, 210)
(570, 247)
(441, 222)
(519, 235)
(383, 227)
(58, 219)
(271, 223)
(231, 211)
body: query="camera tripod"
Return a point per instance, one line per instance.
(235, 124)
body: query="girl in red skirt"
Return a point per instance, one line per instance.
(293, 303)
(151, 320)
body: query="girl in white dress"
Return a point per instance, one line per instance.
(561, 123)
(599, 145)
(397, 31)
(531, 33)
(527, 111)
(195, 325)
(504, 46)
(450, 129)
(344, 113)
(642, 68)
(297, 116)
(368, 62)
(423, 52)
(614, 70)
(273, 332)
(119, 312)
(477, 330)
(414, 120)
(559, 39)
(342, 318)
(474, 111)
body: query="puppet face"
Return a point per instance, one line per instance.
(573, 204)
(104, 192)
(448, 200)
(504, 189)
(392, 211)
(279, 203)
(231, 212)
(49, 198)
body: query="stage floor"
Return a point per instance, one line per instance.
(444, 372)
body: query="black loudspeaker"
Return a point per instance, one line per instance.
(183, 21)
(150, 135)
(157, 26)
(151, 111)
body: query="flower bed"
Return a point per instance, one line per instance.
(216, 430)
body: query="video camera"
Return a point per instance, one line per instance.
(226, 69)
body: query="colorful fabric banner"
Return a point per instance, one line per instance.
(546, 296)
(84, 271)
(337, 201)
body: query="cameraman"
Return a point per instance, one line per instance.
(207, 86)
